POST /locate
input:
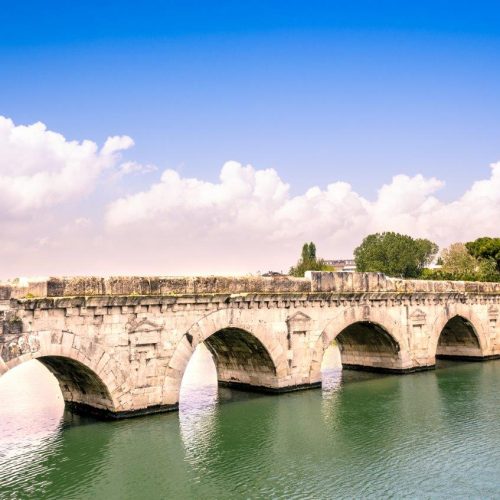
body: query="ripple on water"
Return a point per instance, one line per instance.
(31, 422)
(427, 435)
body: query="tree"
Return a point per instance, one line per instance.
(309, 252)
(394, 254)
(485, 248)
(308, 261)
(458, 263)
(488, 270)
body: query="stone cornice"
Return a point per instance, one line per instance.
(312, 299)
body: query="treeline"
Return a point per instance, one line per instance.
(400, 255)
(477, 260)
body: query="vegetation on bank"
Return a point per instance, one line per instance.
(399, 255)
(394, 254)
(308, 262)
(477, 260)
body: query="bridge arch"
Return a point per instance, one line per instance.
(87, 381)
(458, 333)
(366, 341)
(246, 354)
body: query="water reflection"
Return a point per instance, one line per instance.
(31, 416)
(331, 382)
(198, 404)
(45, 452)
(428, 435)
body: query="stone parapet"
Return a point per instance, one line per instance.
(152, 285)
(378, 282)
(314, 282)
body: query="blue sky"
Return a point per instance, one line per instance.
(400, 100)
(321, 91)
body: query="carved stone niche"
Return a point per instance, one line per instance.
(493, 311)
(298, 323)
(366, 312)
(143, 338)
(493, 314)
(418, 317)
(417, 320)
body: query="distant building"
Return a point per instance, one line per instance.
(433, 266)
(272, 274)
(342, 265)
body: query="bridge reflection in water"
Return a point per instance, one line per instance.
(31, 413)
(345, 440)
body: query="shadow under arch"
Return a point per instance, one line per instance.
(84, 391)
(241, 360)
(368, 345)
(458, 338)
(363, 344)
(246, 356)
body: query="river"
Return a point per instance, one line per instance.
(433, 434)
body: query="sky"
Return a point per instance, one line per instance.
(217, 137)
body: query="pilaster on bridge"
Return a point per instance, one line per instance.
(120, 346)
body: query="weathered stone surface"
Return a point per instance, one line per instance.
(153, 285)
(376, 282)
(120, 346)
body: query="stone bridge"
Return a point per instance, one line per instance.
(119, 346)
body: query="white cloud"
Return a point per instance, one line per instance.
(256, 205)
(133, 167)
(241, 198)
(116, 143)
(40, 168)
(246, 221)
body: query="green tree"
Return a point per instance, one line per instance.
(394, 254)
(485, 248)
(488, 270)
(309, 252)
(308, 261)
(458, 263)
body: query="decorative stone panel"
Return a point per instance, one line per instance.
(418, 319)
(493, 313)
(298, 325)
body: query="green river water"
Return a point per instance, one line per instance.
(434, 434)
